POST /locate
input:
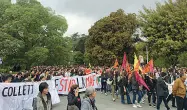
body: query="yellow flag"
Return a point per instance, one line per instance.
(136, 64)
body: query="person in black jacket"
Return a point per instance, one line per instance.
(74, 100)
(18, 78)
(103, 83)
(123, 87)
(162, 91)
(151, 83)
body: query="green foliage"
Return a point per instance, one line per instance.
(182, 59)
(78, 47)
(165, 29)
(32, 35)
(162, 62)
(78, 58)
(37, 56)
(110, 37)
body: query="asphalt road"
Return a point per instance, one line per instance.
(105, 103)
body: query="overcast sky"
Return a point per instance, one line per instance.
(81, 14)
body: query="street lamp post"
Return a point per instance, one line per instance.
(147, 54)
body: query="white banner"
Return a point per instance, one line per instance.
(19, 96)
(63, 84)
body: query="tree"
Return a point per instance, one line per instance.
(110, 37)
(37, 56)
(165, 29)
(29, 31)
(182, 59)
(78, 58)
(78, 47)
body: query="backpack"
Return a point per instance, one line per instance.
(34, 103)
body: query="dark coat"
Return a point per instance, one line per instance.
(73, 100)
(162, 88)
(151, 83)
(123, 82)
(18, 79)
(103, 79)
(134, 83)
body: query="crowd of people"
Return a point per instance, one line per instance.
(114, 81)
(120, 83)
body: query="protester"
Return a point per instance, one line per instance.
(74, 100)
(151, 83)
(114, 86)
(88, 102)
(170, 79)
(18, 78)
(123, 83)
(179, 91)
(7, 78)
(162, 91)
(43, 100)
(136, 91)
(27, 78)
(103, 83)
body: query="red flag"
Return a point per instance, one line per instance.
(123, 66)
(128, 69)
(141, 81)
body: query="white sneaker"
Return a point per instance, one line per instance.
(142, 102)
(139, 106)
(101, 92)
(114, 99)
(106, 94)
(134, 106)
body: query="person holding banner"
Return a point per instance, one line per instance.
(74, 100)
(7, 78)
(43, 100)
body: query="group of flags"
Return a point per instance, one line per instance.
(149, 67)
(146, 69)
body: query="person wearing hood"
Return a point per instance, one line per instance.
(74, 100)
(88, 102)
(162, 91)
(43, 100)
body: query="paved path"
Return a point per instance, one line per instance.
(105, 103)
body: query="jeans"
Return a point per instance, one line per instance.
(103, 87)
(159, 101)
(180, 103)
(135, 92)
(153, 95)
(143, 92)
(185, 103)
(128, 98)
(122, 99)
(170, 97)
